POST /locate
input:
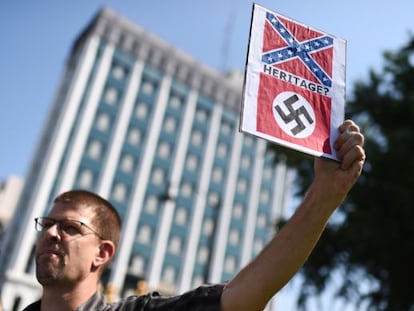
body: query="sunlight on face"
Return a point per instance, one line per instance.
(65, 254)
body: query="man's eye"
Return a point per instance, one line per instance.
(47, 224)
(71, 229)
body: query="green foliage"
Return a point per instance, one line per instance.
(373, 242)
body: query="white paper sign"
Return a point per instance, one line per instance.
(294, 88)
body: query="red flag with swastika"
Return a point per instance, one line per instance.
(294, 91)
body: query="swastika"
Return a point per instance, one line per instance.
(298, 121)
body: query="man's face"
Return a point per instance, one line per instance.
(66, 257)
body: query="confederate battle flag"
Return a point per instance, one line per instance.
(294, 89)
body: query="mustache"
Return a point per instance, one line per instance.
(49, 249)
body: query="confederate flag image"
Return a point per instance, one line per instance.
(294, 91)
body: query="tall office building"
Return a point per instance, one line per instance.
(156, 132)
(10, 190)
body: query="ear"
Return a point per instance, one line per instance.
(105, 253)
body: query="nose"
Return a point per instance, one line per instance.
(53, 231)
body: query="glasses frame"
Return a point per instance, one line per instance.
(40, 228)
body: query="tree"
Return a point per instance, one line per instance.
(371, 236)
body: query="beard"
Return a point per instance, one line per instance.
(49, 268)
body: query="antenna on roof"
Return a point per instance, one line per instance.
(226, 44)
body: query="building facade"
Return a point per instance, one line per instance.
(155, 132)
(10, 190)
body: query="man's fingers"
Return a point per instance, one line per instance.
(348, 125)
(347, 141)
(349, 137)
(354, 155)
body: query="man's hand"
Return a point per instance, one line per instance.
(338, 178)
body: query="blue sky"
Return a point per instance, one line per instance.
(36, 37)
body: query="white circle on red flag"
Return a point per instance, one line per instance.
(294, 114)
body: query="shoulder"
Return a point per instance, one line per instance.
(203, 298)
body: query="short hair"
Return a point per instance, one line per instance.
(106, 220)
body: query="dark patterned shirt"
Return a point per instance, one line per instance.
(203, 298)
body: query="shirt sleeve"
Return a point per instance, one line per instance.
(203, 298)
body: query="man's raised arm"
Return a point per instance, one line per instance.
(277, 263)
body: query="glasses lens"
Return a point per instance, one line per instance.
(66, 227)
(71, 227)
(38, 225)
(43, 223)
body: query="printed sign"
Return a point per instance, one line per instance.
(294, 90)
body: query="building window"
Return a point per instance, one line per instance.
(229, 264)
(181, 216)
(151, 205)
(192, 163)
(245, 162)
(170, 125)
(238, 211)
(218, 174)
(264, 196)
(234, 237)
(174, 246)
(198, 281)
(182, 73)
(156, 57)
(137, 266)
(208, 227)
(248, 141)
(147, 88)
(175, 102)
(95, 150)
(203, 254)
(158, 176)
(103, 122)
(261, 220)
(164, 150)
(201, 116)
(225, 129)
(86, 178)
(222, 150)
(197, 138)
(127, 163)
(169, 274)
(111, 96)
(134, 136)
(144, 234)
(213, 199)
(141, 111)
(242, 186)
(118, 72)
(268, 173)
(186, 189)
(120, 192)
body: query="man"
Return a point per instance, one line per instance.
(80, 235)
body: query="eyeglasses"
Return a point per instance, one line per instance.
(66, 227)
